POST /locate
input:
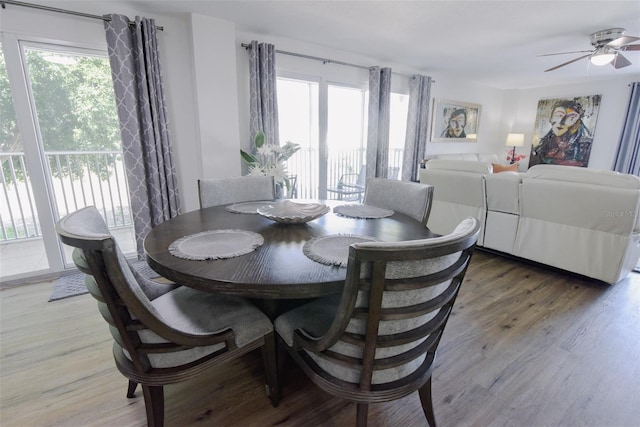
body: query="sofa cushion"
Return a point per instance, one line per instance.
(453, 156)
(583, 175)
(460, 166)
(469, 156)
(483, 157)
(488, 157)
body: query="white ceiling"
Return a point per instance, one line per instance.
(490, 42)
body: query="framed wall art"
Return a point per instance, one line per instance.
(564, 130)
(454, 121)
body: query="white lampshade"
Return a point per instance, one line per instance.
(515, 140)
(602, 58)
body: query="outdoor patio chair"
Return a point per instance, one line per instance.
(350, 186)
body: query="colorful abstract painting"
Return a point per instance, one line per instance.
(564, 130)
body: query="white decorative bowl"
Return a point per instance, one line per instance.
(293, 213)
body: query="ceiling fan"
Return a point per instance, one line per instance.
(607, 47)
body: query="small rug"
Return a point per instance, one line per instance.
(333, 249)
(215, 244)
(362, 211)
(73, 284)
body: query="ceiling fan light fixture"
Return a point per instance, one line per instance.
(602, 57)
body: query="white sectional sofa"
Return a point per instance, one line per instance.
(581, 220)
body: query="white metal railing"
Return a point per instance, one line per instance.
(304, 164)
(97, 178)
(78, 179)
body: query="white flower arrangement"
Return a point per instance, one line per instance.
(269, 160)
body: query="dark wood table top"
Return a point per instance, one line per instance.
(276, 270)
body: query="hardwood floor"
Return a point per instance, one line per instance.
(524, 347)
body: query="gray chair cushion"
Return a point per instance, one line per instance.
(409, 198)
(196, 312)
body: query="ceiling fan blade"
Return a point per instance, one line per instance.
(631, 47)
(566, 53)
(568, 62)
(619, 61)
(621, 41)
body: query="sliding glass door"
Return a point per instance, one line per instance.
(329, 121)
(60, 152)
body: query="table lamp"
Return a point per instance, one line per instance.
(515, 140)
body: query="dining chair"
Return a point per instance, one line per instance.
(409, 198)
(163, 334)
(235, 189)
(377, 341)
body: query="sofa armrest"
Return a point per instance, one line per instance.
(503, 192)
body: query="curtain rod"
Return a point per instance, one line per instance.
(327, 61)
(4, 4)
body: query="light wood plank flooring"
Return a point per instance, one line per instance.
(524, 347)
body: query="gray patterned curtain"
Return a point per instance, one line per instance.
(379, 118)
(417, 126)
(137, 80)
(628, 155)
(263, 102)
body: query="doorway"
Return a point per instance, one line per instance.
(60, 151)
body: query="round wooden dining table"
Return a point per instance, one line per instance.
(278, 269)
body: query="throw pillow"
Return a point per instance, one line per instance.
(502, 168)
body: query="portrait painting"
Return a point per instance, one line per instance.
(564, 129)
(454, 121)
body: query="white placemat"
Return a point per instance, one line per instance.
(357, 210)
(248, 207)
(333, 249)
(215, 244)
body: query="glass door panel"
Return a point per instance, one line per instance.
(346, 135)
(80, 136)
(298, 123)
(22, 249)
(397, 133)
(66, 154)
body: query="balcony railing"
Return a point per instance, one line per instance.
(304, 164)
(78, 179)
(97, 178)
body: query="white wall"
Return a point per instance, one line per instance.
(215, 77)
